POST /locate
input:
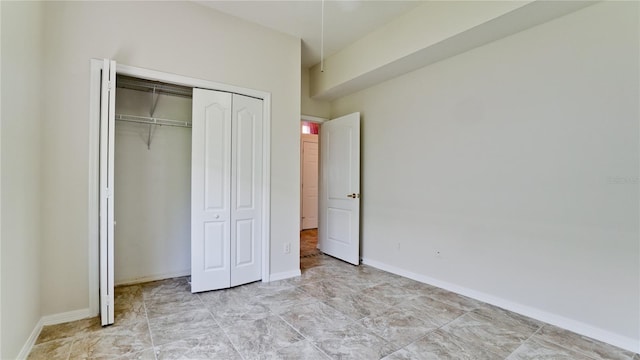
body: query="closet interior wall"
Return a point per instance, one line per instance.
(152, 189)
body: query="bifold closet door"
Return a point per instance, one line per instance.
(226, 190)
(107, 144)
(246, 190)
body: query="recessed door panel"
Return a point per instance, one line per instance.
(245, 245)
(246, 179)
(216, 157)
(339, 156)
(339, 221)
(215, 241)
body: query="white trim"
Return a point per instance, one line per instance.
(266, 183)
(541, 315)
(51, 320)
(65, 317)
(1, 196)
(93, 162)
(94, 202)
(28, 345)
(314, 119)
(187, 81)
(155, 277)
(285, 275)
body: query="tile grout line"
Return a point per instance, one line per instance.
(525, 341)
(464, 312)
(304, 337)
(146, 316)
(69, 353)
(221, 328)
(564, 347)
(309, 340)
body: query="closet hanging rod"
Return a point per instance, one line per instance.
(152, 120)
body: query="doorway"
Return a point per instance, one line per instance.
(309, 180)
(338, 185)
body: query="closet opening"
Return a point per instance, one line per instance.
(152, 180)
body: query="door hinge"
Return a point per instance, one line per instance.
(106, 300)
(107, 193)
(109, 85)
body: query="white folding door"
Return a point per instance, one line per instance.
(107, 143)
(226, 190)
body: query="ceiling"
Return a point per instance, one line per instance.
(344, 21)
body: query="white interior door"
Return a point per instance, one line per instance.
(309, 183)
(210, 190)
(339, 218)
(246, 190)
(107, 137)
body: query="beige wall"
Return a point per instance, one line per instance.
(22, 35)
(175, 37)
(518, 162)
(311, 106)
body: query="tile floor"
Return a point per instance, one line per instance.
(333, 311)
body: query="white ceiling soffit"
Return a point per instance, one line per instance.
(329, 86)
(344, 21)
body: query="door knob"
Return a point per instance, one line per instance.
(353, 196)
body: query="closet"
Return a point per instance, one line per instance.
(188, 185)
(181, 171)
(152, 180)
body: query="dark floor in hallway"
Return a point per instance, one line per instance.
(309, 243)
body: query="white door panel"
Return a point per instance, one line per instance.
(107, 143)
(339, 217)
(226, 190)
(210, 190)
(246, 198)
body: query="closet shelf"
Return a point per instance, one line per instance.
(152, 120)
(156, 87)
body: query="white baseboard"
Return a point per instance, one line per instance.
(541, 315)
(65, 317)
(26, 349)
(51, 320)
(284, 275)
(154, 277)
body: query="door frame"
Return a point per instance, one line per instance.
(94, 160)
